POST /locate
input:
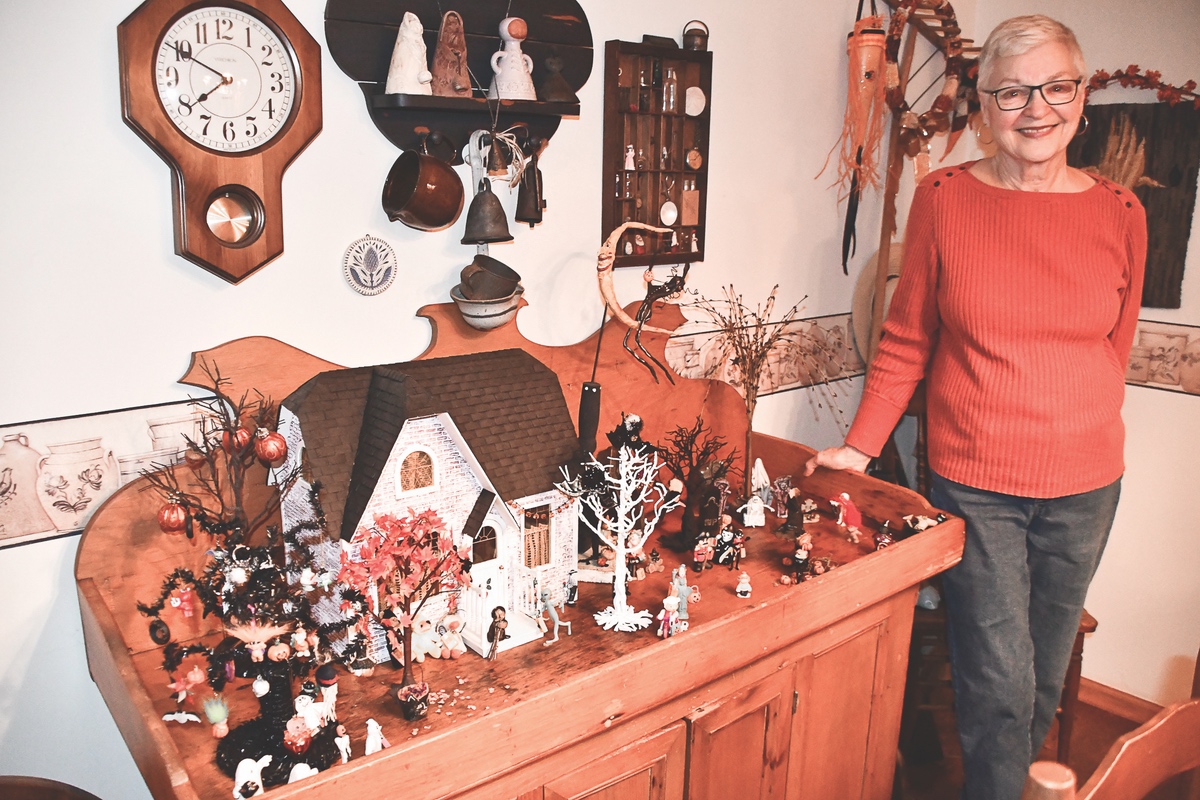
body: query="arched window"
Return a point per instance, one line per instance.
(416, 471)
(484, 547)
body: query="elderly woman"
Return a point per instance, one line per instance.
(1017, 303)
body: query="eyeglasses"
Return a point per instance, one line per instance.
(1055, 93)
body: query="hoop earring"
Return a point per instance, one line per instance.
(1081, 131)
(991, 139)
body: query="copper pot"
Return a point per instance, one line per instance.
(423, 192)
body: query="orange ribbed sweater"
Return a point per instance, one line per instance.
(1020, 309)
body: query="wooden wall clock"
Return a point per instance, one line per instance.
(228, 93)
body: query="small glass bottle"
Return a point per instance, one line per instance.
(670, 92)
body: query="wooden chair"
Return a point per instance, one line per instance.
(1165, 746)
(19, 787)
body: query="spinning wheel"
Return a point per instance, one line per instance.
(912, 132)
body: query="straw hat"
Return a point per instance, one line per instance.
(864, 294)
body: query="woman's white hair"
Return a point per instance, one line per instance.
(1018, 35)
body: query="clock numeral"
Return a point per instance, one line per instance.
(207, 119)
(227, 130)
(185, 105)
(251, 129)
(227, 25)
(277, 86)
(201, 33)
(183, 50)
(269, 108)
(247, 37)
(266, 62)
(172, 77)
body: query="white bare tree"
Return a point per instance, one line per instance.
(624, 497)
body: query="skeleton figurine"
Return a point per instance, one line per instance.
(548, 608)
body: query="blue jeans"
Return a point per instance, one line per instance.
(1013, 604)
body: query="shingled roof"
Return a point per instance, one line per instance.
(507, 405)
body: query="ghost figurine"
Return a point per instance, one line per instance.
(376, 741)
(409, 72)
(247, 780)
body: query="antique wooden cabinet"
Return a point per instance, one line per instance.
(795, 692)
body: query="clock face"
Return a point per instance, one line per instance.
(225, 79)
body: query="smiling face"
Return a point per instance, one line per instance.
(1038, 133)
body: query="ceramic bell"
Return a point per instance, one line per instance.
(513, 79)
(409, 72)
(450, 76)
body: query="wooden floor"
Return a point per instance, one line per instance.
(928, 776)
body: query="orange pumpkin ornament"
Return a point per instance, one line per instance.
(172, 518)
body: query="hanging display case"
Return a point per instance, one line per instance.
(656, 140)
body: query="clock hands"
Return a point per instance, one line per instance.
(224, 77)
(225, 80)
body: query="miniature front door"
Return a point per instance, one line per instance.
(487, 586)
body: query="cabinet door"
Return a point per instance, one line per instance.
(739, 743)
(649, 769)
(842, 743)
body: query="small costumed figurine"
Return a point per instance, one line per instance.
(724, 546)
(848, 516)
(342, 740)
(883, 537)
(497, 631)
(686, 594)
(779, 495)
(571, 587)
(743, 585)
(327, 679)
(656, 563)
(794, 515)
(376, 741)
(451, 634)
(297, 736)
(702, 554)
(809, 509)
(669, 617)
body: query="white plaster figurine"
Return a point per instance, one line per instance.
(754, 513)
(376, 741)
(743, 585)
(342, 740)
(409, 71)
(513, 79)
(247, 780)
(300, 772)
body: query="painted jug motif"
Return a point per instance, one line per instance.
(74, 479)
(20, 511)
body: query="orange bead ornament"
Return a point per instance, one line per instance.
(270, 447)
(235, 442)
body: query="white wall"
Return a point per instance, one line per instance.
(1146, 592)
(97, 313)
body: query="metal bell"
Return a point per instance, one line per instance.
(497, 165)
(485, 218)
(529, 195)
